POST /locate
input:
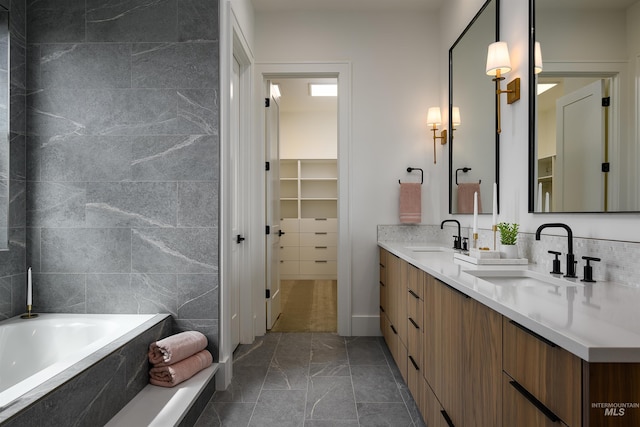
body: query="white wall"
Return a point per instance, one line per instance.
(309, 135)
(395, 79)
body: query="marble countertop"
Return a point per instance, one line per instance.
(598, 322)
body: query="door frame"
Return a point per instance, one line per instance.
(341, 71)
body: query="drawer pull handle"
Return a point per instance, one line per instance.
(533, 334)
(382, 284)
(320, 247)
(413, 362)
(394, 330)
(447, 418)
(381, 309)
(321, 219)
(414, 323)
(531, 398)
(320, 261)
(413, 294)
(320, 233)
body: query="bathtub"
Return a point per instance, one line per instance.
(41, 354)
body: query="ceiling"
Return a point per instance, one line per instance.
(346, 5)
(295, 95)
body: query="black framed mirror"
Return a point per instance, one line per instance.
(584, 149)
(473, 140)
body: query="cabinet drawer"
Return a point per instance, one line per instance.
(415, 281)
(313, 253)
(414, 344)
(415, 308)
(289, 253)
(414, 379)
(319, 238)
(289, 267)
(318, 267)
(517, 410)
(290, 239)
(311, 225)
(290, 225)
(549, 373)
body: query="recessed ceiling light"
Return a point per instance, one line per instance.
(543, 87)
(323, 89)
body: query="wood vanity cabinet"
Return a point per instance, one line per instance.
(383, 288)
(392, 312)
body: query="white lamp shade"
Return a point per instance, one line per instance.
(433, 116)
(455, 119)
(498, 58)
(537, 55)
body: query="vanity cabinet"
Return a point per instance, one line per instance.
(392, 314)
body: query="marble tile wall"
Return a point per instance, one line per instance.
(619, 260)
(12, 261)
(123, 158)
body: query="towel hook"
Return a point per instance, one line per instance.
(465, 170)
(410, 169)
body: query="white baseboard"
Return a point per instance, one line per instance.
(224, 374)
(365, 326)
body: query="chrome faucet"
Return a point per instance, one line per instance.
(571, 261)
(457, 240)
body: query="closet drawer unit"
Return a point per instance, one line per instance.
(314, 253)
(290, 225)
(289, 253)
(318, 267)
(311, 225)
(318, 238)
(290, 239)
(544, 370)
(289, 267)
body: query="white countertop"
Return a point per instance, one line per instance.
(598, 322)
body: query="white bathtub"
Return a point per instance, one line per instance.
(35, 350)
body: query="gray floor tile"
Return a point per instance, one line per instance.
(283, 408)
(227, 414)
(374, 383)
(383, 415)
(365, 351)
(330, 398)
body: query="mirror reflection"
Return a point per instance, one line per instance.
(4, 127)
(585, 141)
(472, 122)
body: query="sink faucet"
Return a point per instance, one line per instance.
(571, 262)
(457, 240)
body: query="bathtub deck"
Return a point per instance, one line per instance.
(157, 406)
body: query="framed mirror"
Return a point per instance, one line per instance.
(583, 125)
(473, 140)
(4, 127)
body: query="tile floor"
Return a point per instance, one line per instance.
(313, 380)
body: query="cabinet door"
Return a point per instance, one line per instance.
(393, 287)
(383, 287)
(520, 411)
(402, 301)
(430, 408)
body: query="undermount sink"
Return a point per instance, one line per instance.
(522, 278)
(428, 249)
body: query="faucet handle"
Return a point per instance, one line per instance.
(556, 263)
(456, 242)
(588, 269)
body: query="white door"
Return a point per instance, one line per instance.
(236, 206)
(580, 150)
(272, 201)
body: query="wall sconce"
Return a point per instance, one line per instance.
(455, 119)
(498, 63)
(434, 119)
(537, 57)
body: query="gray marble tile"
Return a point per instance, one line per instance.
(17, 203)
(185, 250)
(259, 353)
(59, 293)
(174, 65)
(383, 414)
(33, 249)
(131, 204)
(287, 372)
(155, 293)
(330, 398)
(33, 70)
(85, 66)
(331, 423)
(5, 297)
(56, 204)
(330, 369)
(134, 20)
(18, 109)
(12, 261)
(279, 407)
(197, 20)
(245, 386)
(18, 294)
(175, 158)
(111, 293)
(101, 250)
(198, 111)
(18, 154)
(198, 204)
(80, 158)
(232, 414)
(56, 21)
(197, 296)
(374, 383)
(365, 351)
(328, 348)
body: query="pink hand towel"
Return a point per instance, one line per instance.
(410, 202)
(465, 197)
(176, 347)
(169, 376)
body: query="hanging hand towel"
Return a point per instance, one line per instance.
(465, 197)
(410, 202)
(176, 347)
(169, 376)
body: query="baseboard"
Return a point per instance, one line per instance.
(224, 374)
(365, 326)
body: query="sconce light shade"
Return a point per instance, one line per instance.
(498, 61)
(434, 118)
(537, 55)
(455, 118)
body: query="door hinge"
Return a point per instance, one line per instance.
(606, 167)
(267, 102)
(267, 166)
(268, 229)
(267, 293)
(606, 102)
